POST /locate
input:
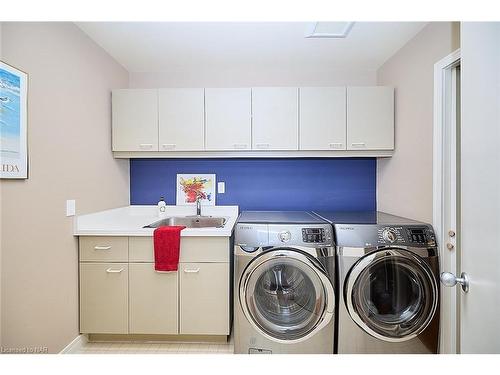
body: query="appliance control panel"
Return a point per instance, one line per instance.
(420, 235)
(393, 234)
(313, 235)
(406, 235)
(250, 235)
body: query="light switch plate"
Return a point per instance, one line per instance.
(70, 207)
(221, 187)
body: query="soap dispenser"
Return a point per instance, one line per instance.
(162, 208)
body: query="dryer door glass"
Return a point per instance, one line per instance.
(391, 294)
(286, 297)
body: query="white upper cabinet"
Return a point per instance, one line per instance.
(135, 120)
(228, 119)
(322, 118)
(275, 118)
(181, 119)
(370, 118)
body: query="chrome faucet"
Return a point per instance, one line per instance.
(198, 205)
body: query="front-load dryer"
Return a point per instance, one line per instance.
(388, 284)
(284, 300)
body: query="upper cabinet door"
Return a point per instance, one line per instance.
(322, 118)
(181, 119)
(275, 118)
(370, 118)
(228, 118)
(135, 120)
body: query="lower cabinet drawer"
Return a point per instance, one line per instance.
(103, 249)
(153, 300)
(103, 297)
(204, 298)
(193, 249)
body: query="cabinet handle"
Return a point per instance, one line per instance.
(145, 146)
(239, 146)
(335, 145)
(192, 271)
(262, 145)
(168, 146)
(102, 247)
(110, 270)
(358, 144)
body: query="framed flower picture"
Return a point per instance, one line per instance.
(13, 122)
(190, 187)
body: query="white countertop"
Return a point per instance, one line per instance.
(129, 221)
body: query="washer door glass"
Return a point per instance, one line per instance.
(286, 295)
(391, 294)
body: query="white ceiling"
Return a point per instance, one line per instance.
(181, 46)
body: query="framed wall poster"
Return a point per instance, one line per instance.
(191, 186)
(13, 122)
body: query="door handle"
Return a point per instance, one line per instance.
(262, 145)
(102, 247)
(110, 270)
(335, 145)
(146, 146)
(449, 279)
(240, 146)
(192, 271)
(168, 146)
(358, 144)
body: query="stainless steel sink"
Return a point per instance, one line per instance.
(190, 222)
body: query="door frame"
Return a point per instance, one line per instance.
(444, 135)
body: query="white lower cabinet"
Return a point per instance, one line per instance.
(104, 297)
(153, 296)
(128, 296)
(204, 304)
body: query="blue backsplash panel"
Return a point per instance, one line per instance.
(265, 184)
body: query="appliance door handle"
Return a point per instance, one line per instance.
(145, 146)
(168, 146)
(196, 270)
(102, 247)
(110, 270)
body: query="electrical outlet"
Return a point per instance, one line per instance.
(221, 187)
(70, 207)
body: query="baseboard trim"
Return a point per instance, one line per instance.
(75, 345)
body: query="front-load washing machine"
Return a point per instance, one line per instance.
(388, 284)
(284, 300)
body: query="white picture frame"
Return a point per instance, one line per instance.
(13, 122)
(192, 185)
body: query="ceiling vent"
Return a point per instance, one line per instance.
(335, 30)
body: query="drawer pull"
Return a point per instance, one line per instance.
(262, 145)
(240, 146)
(358, 144)
(110, 270)
(192, 271)
(168, 146)
(102, 247)
(335, 145)
(146, 146)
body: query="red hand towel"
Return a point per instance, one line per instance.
(167, 243)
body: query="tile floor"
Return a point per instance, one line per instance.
(155, 348)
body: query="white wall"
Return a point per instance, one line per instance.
(244, 77)
(404, 182)
(69, 135)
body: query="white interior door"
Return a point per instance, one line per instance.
(480, 159)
